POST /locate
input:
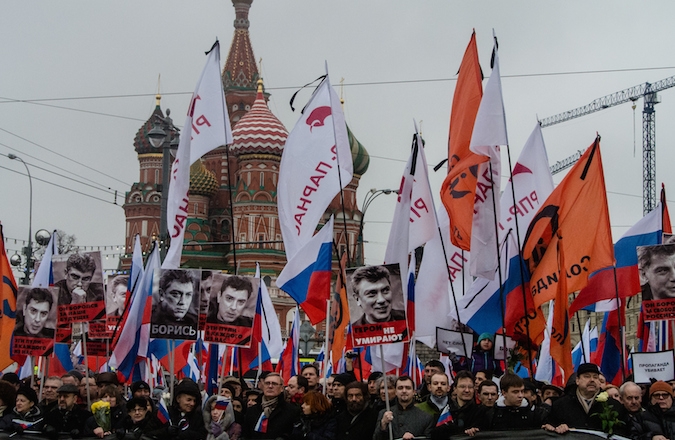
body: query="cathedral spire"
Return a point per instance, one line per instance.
(240, 71)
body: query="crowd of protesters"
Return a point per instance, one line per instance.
(446, 404)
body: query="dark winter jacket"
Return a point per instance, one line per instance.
(410, 419)
(63, 421)
(34, 419)
(149, 427)
(117, 415)
(480, 361)
(463, 418)
(358, 427)
(507, 418)
(568, 410)
(315, 427)
(279, 424)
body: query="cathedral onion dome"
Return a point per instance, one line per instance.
(360, 156)
(202, 181)
(142, 144)
(259, 131)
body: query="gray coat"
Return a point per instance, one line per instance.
(411, 419)
(225, 421)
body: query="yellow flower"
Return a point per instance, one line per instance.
(100, 405)
(602, 397)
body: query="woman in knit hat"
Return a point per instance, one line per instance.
(26, 414)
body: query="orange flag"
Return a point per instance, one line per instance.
(8, 293)
(339, 313)
(561, 345)
(576, 209)
(459, 188)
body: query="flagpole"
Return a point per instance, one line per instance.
(86, 362)
(257, 376)
(337, 159)
(618, 315)
(45, 373)
(229, 172)
(327, 342)
(222, 373)
(523, 288)
(172, 347)
(581, 334)
(447, 266)
(386, 390)
(499, 262)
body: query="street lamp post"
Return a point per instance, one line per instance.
(163, 137)
(28, 250)
(372, 195)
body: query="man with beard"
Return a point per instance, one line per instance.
(580, 409)
(67, 417)
(358, 422)
(406, 420)
(438, 397)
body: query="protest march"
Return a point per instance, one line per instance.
(499, 309)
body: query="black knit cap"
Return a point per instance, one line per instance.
(587, 368)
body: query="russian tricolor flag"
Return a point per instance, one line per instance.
(445, 417)
(44, 276)
(307, 276)
(601, 286)
(289, 364)
(162, 411)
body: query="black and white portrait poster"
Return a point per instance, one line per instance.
(35, 327)
(115, 302)
(231, 310)
(175, 304)
(376, 305)
(79, 280)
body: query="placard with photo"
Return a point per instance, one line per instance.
(231, 310)
(376, 305)
(175, 304)
(79, 280)
(36, 316)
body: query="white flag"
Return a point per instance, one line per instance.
(545, 365)
(414, 221)
(489, 133)
(433, 296)
(44, 277)
(271, 330)
(308, 174)
(207, 126)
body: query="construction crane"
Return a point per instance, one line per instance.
(648, 93)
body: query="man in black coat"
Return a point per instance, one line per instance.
(67, 417)
(512, 412)
(272, 417)
(464, 409)
(358, 422)
(580, 409)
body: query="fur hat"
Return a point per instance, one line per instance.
(587, 368)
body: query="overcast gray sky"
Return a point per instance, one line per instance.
(89, 70)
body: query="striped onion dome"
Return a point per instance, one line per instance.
(259, 131)
(202, 181)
